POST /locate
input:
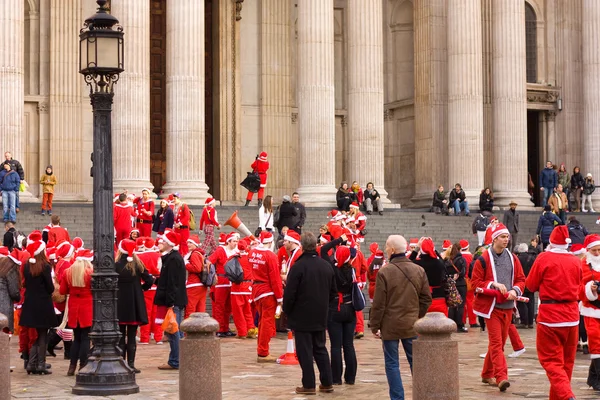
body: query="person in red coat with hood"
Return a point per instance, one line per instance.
(122, 213)
(556, 275)
(261, 166)
(590, 306)
(497, 268)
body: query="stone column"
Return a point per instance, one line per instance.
(465, 98)
(44, 140)
(431, 97)
(131, 110)
(316, 102)
(550, 117)
(509, 101)
(591, 88)
(185, 101)
(366, 137)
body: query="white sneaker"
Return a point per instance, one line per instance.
(482, 355)
(584, 210)
(517, 353)
(159, 342)
(593, 211)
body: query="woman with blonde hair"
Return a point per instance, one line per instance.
(131, 307)
(77, 283)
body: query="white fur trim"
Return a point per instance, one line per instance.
(560, 324)
(594, 356)
(589, 311)
(40, 249)
(291, 239)
(580, 251)
(262, 185)
(559, 248)
(264, 295)
(267, 240)
(500, 232)
(593, 244)
(588, 292)
(18, 262)
(129, 259)
(32, 260)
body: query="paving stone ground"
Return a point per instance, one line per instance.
(243, 379)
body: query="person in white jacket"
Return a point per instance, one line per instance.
(265, 214)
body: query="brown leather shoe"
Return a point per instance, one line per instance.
(305, 391)
(71, 370)
(503, 385)
(266, 359)
(489, 381)
(167, 367)
(325, 389)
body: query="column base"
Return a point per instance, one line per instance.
(502, 200)
(194, 193)
(317, 195)
(383, 196)
(133, 187)
(27, 197)
(421, 200)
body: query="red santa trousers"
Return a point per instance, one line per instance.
(196, 300)
(515, 339)
(261, 193)
(144, 228)
(469, 308)
(221, 306)
(151, 326)
(242, 313)
(592, 326)
(360, 322)
(27, 337)
(494, 365)
(122, 234)
(184, 235)
(556, 348)
(438, 305)
(266, 308)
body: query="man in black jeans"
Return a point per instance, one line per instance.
(526, 310)
(309, 289)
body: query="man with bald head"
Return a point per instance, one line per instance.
(402, 296)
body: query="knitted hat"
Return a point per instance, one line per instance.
(265, 237)
(577, 249)
(342, 255)
(560, 237)
(128, 247)
(464, 245)
(592, 240)
(498, 230)
(292, 236)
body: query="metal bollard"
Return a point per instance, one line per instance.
(435, 354)
(200, 359)
(4, 361)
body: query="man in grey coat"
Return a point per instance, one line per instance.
(511, 221)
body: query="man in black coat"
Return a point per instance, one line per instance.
(300, 213)
(309, 289)
(9, 235)
(287, 214)
(170, 290)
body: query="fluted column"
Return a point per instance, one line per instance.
(275, 119)
(365, 94)
(66, 93)
(465, 97)
(591, 88)
(509, 101)
(12, 79)
(316, 102)
(131, 110)
(185, 100)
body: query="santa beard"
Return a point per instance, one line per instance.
(594, 261)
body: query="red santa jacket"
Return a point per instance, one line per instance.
(484, 274)
(244, 288)
(282, 257)
(145, 210)
(122, 214)
(293, 257)
(360, 266)
(194, 264)
(209, 217)
(153, 263)
(261, 167)
(183, 216)
(58, 233)
(361, 221)
(81, 302)
(218, 258)
(589, 275)
(267, 280)
(556, 274)
(59, 271)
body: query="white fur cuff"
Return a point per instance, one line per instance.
(588, 291)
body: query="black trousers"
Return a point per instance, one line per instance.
(311, 345)
(81, 346)
(527, 310)
(341, 327)
(456, 313)
(127, 343)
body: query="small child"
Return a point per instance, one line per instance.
(48, 180)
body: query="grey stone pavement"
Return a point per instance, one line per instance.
(243, 379)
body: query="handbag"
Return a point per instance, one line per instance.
(170, 325)
(358, 298)
(252, 182)
(453, 298)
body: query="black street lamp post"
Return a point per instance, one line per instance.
(101, 62)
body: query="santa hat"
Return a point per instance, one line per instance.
(498, 230)
(51, 253)
(342, 255)
(379, 254)
(559, 238)
(195, 240)
(134, 230)
(333, 213)
(170, 198)
(64, 249)
(464, 245)
(140, 242)
(209, 202)
(262, 156)
(35, 236)
(414, 242)
(17, 256)
(171, 238)
(354, 205)
(292, 236)
(325, 238)
(577, 249)
(127, 246)
(86, 255)
(35, 247)
(4, 251)
(222, 238)
(592, 240)
(446, 244)
(350, 219)
(265, 237)
(242, 246)
(232, 236)
(149, 243)
(427, 247)
(146, 190)
(373, 247)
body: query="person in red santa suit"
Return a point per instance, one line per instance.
(150, 257)
(470, 297)
(181, 211)
(267, 294)
(556, 274)
(497, 268)
(359, 218)
(261, 166)
(291, 242)
(359, 263)
(426, 256)
(241, 293)
(145, 211)
(208, 222)
(122, 213)
(590, 306)
(194, 264)
(221, 295)
(282, 254)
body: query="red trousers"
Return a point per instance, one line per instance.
(266, 308)
(360, 322)
(184, 235)
(196, 300)
(122, 234)
(469, 308)
(144, 228)
(494, 365)
(261, 193)
(592, 326)
(27, 337)
(438, 305)
(556, 348)
(515, 339)
(47, 201)
(151, 326)
(221, 299)
(242, 313)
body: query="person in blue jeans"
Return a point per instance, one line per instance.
(402, 296)
(9, 185)
(458, 200)
(548, 181)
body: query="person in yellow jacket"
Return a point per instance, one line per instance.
(48, 180)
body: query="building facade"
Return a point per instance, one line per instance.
(407, 94)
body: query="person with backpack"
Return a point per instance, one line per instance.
(480, 224)
(183, 222)
(577, 232)
(9, 186)
(241, 291)
(548, 220)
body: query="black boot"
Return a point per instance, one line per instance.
(593, 378)
(247, 202)
(32, 362)
(131, 349)
(259, 203)
(132, 366)
(25, 357)
(67, 350)
(42, 367)
(53, 341)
